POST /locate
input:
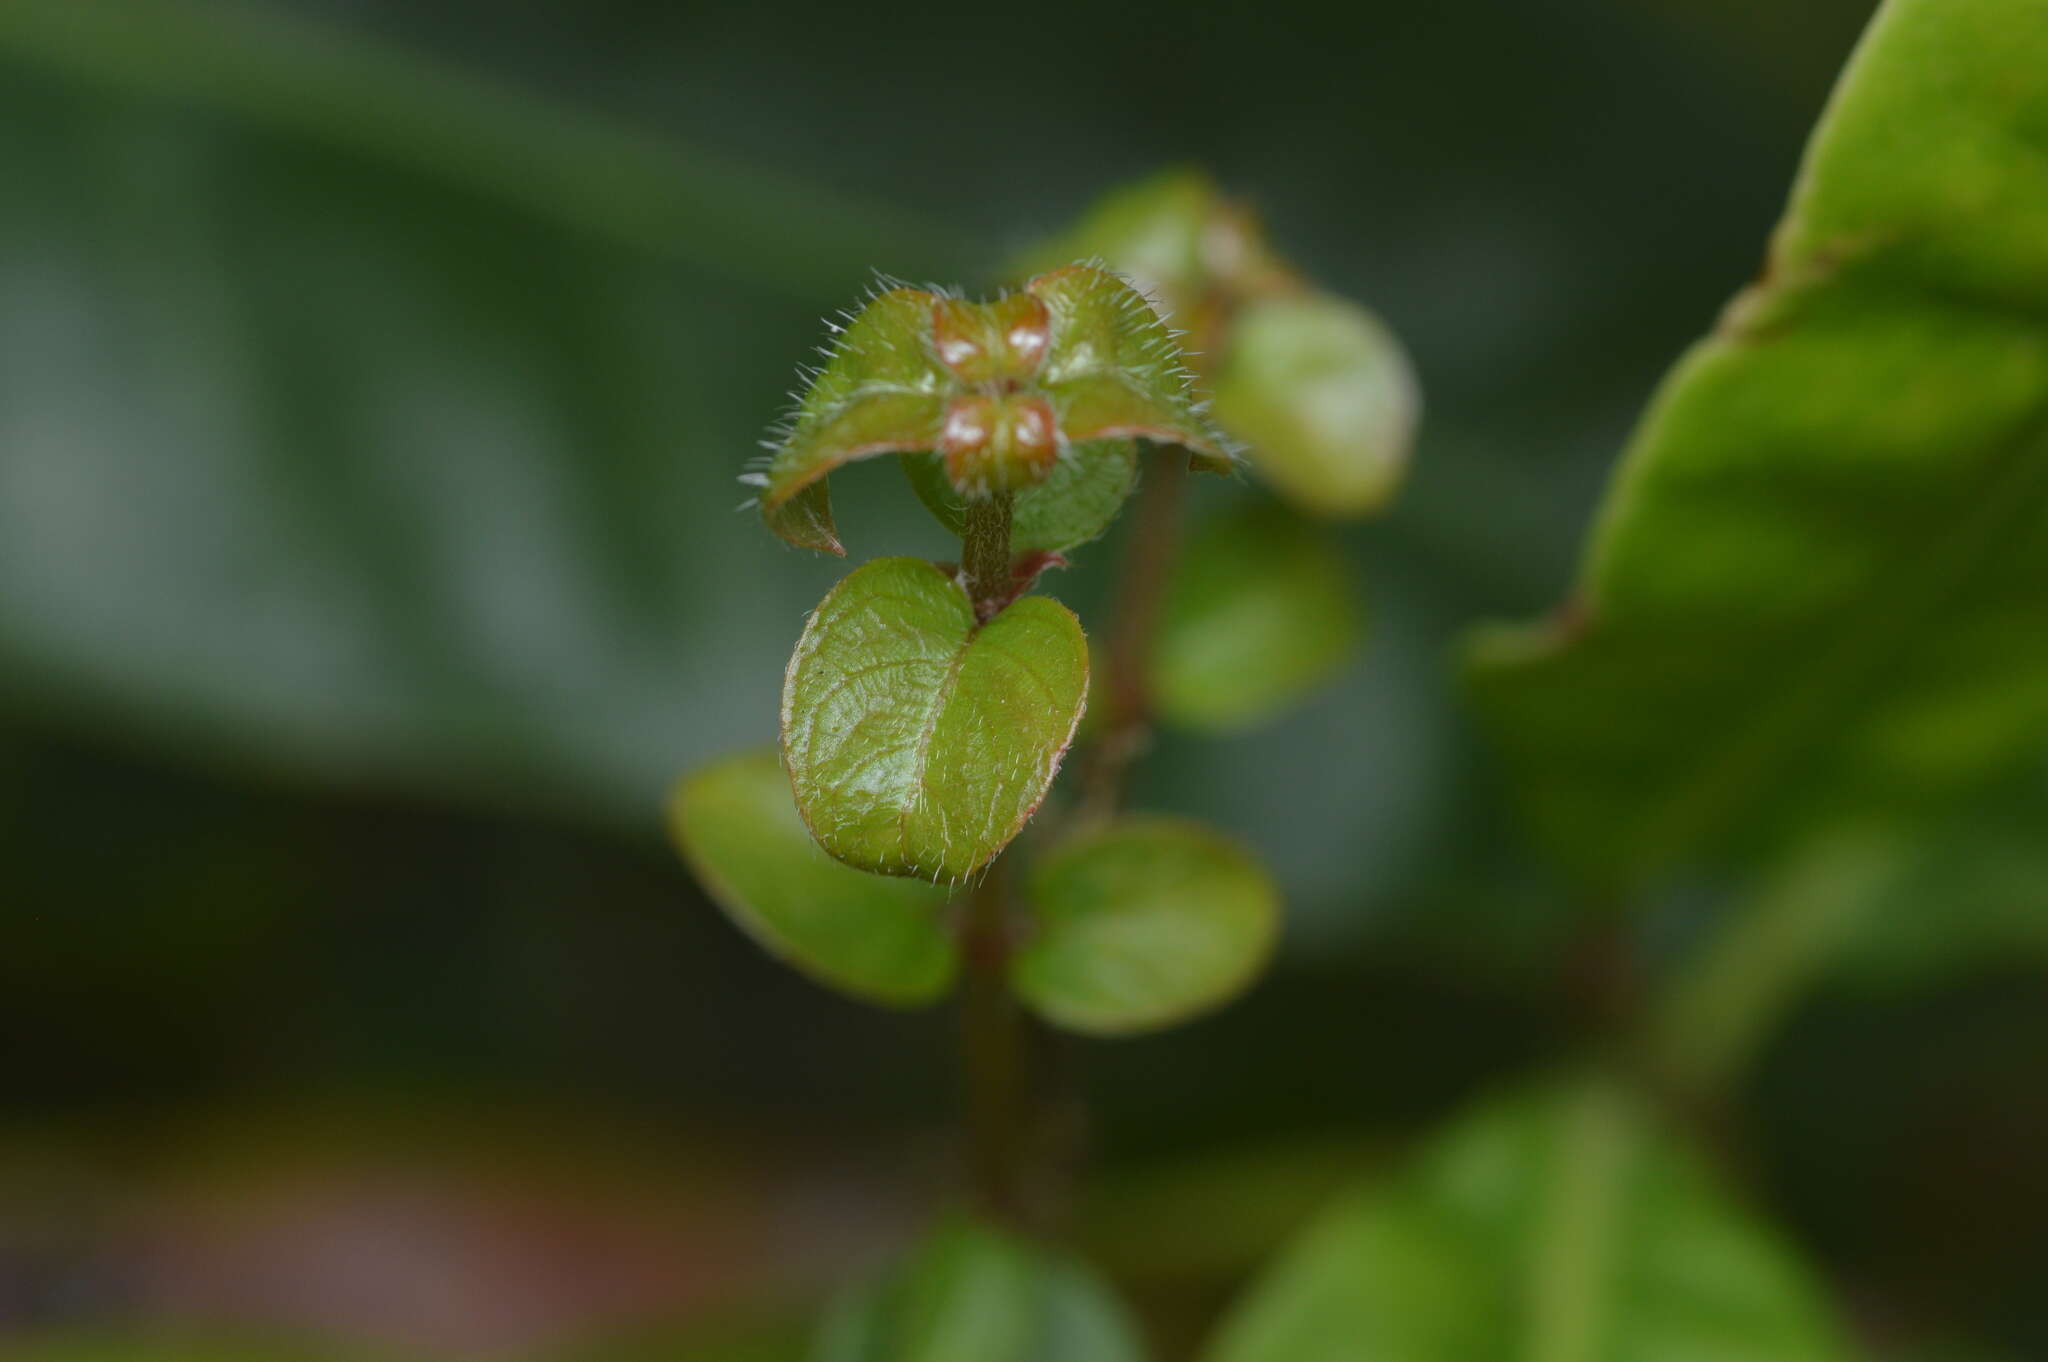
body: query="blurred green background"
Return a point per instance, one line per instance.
(373, 381)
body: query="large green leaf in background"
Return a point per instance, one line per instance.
(1816, 590)
(1559, 1226)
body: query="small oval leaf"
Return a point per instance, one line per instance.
(1075, 504)
(1142, 924)
(918, 742)
(1561, 1224)
(1262, 611)
(971, 1293)
(878, 938)
(1176, 236)
(1324, 396)
(1153, 231)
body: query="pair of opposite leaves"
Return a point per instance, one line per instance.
(1038, 393)
(1130, 926)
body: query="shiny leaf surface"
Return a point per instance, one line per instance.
(919, 742)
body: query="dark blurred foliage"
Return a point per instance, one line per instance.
(385, 569)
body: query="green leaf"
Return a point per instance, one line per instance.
(1175, 236)
(919, 742)
(1261, 611)
(1142, 924)
(1075, 503)
(1317, 386)
(1560, 1226)
(1006, 391)
(1116, 372)
(972, 1293)
(1815, 590)
(876, 937)
(1324, 396)
(881, 391)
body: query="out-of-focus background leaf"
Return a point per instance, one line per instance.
(373, 379)
(1815, 591)
(1262, 610)
(1558, 1224)
(969, 1290)
(1141, 924)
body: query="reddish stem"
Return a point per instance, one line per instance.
(1127, 693)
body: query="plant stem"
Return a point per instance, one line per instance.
(994, 1054)
(985, 553)
(998, 1044)
(1721, 1009)
(1141, 592)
